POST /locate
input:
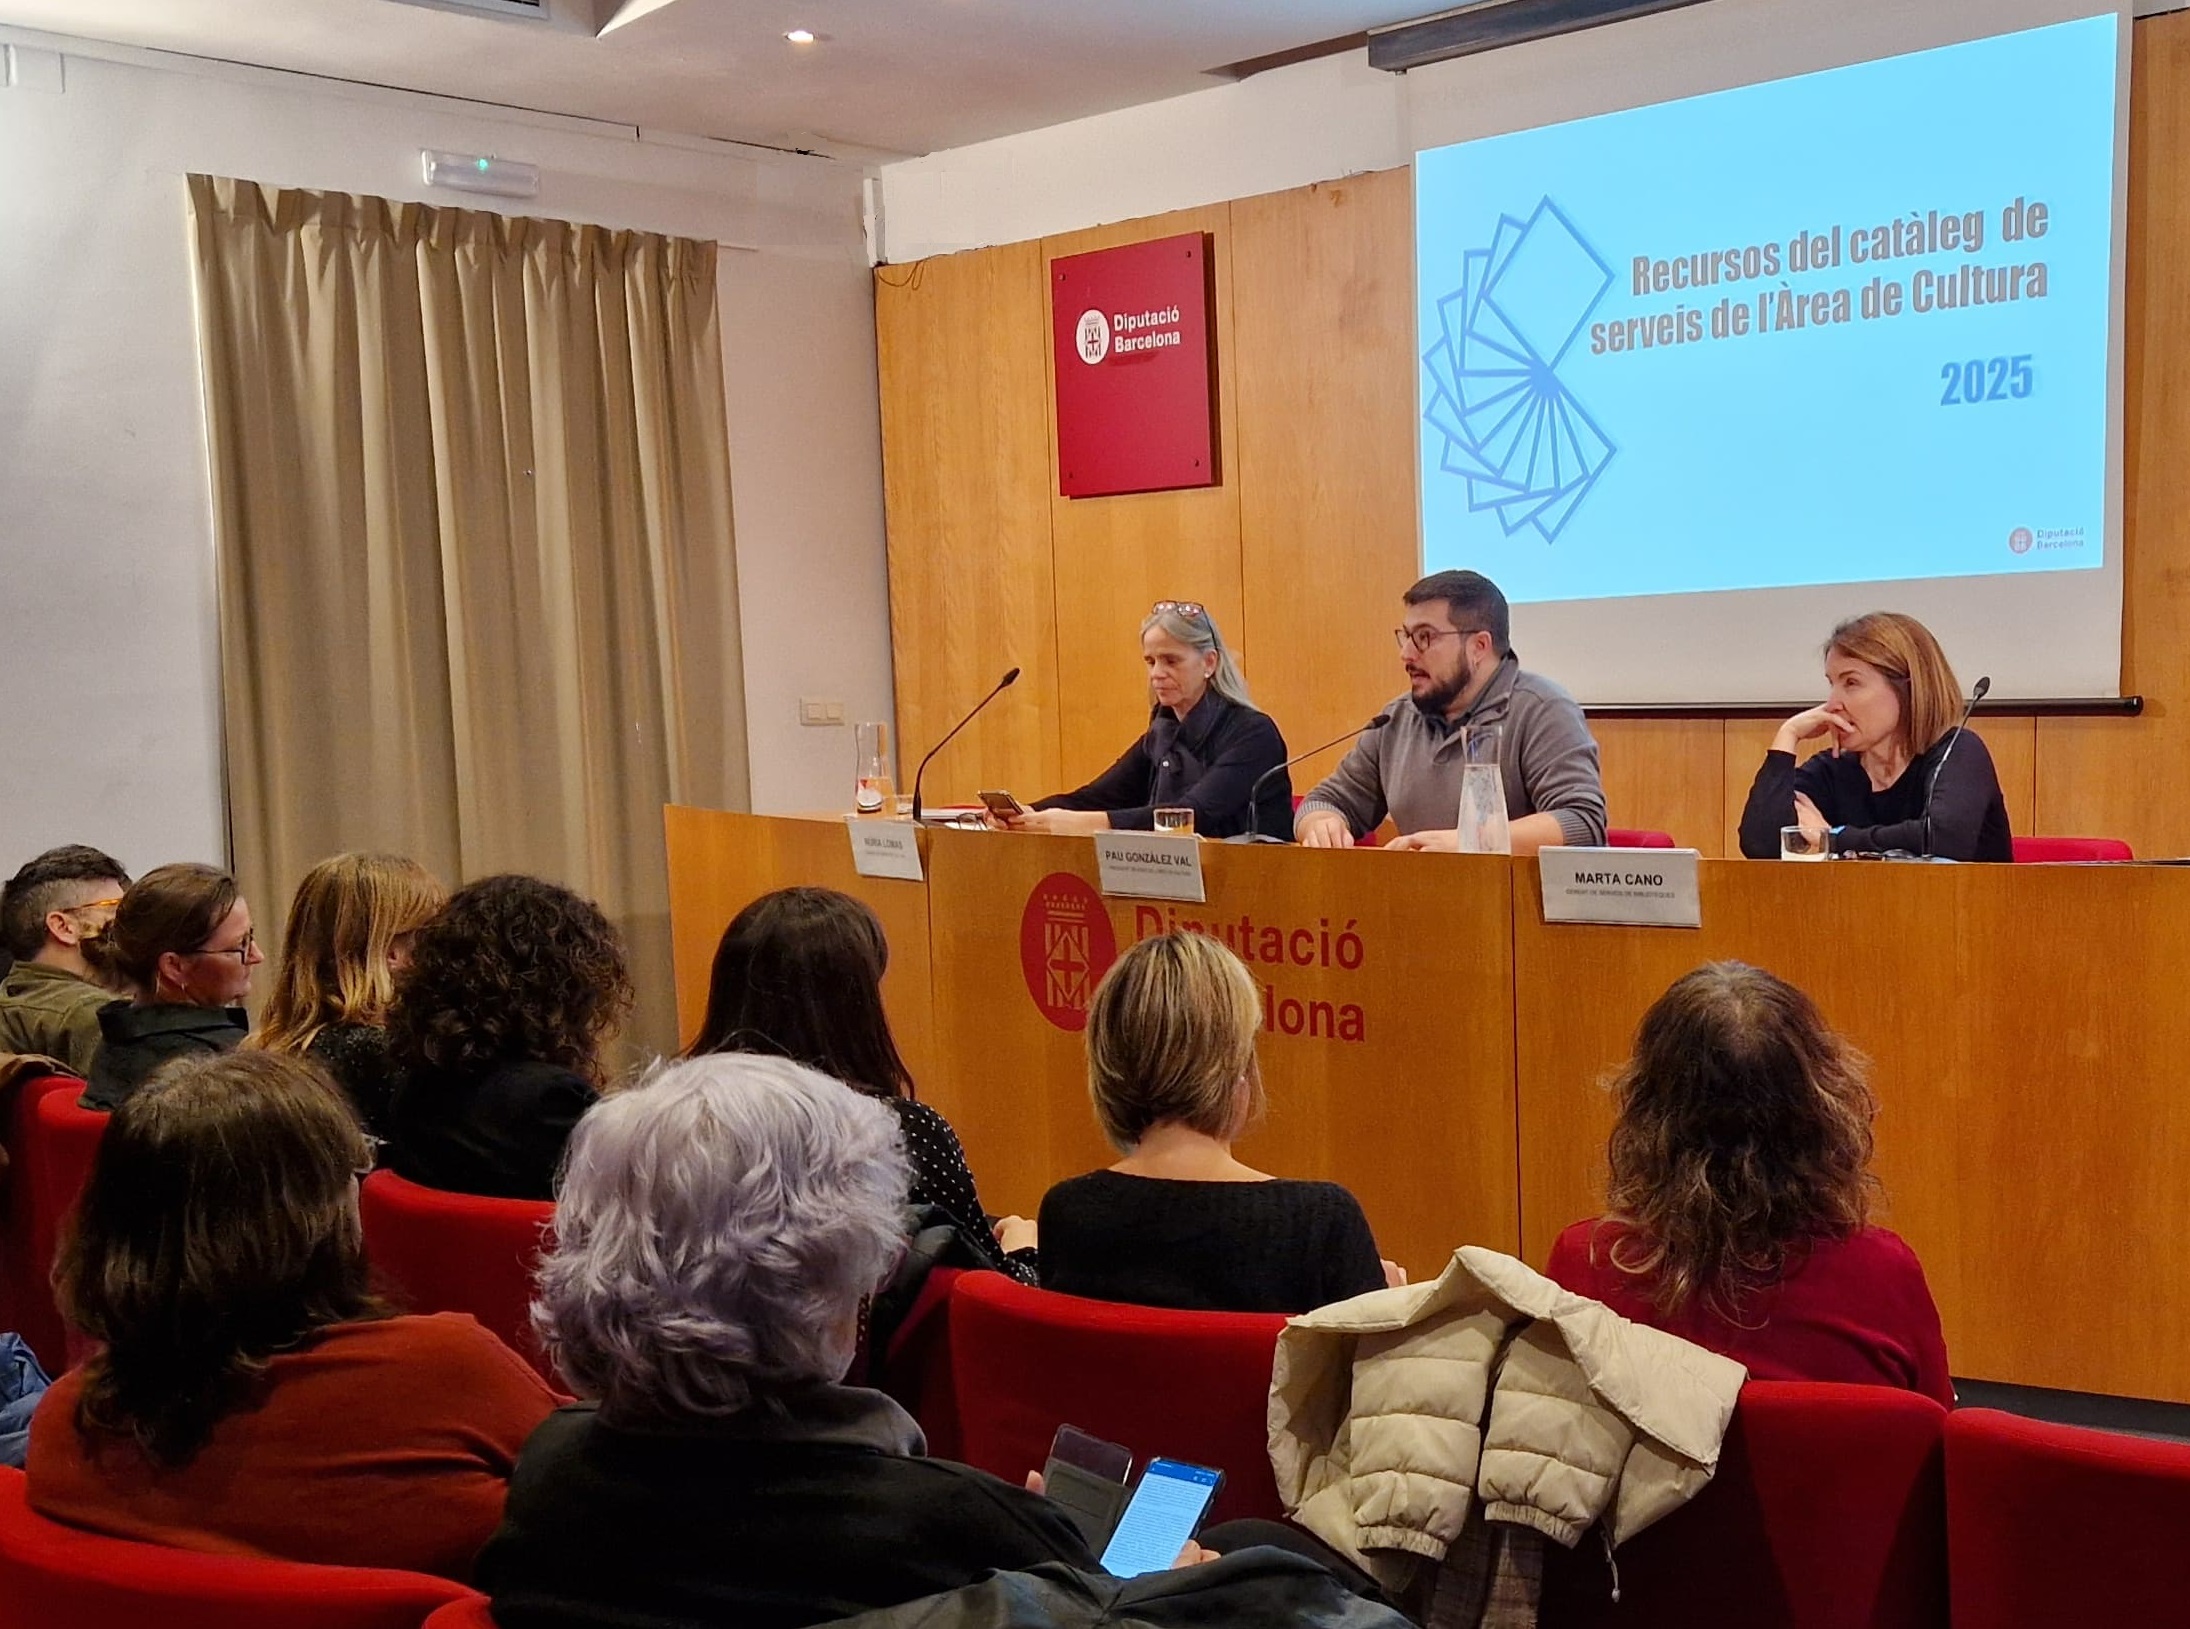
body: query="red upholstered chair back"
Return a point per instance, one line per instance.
(64, 1143)
(470, 1613)
(26, 1248)
(1828, 1512)
(56, 1577)
(2054, 1524)
(457, 1252)
(1181, 1385)
(2044, 850)
(1635, 837)
(917, 1368)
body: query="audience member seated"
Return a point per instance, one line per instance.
(1740, 1194)
(250, 1396)
(498, 1025)
(50, 997)
(799, 975)
(181, 944)
(349, 934)
(1178, 1222)
(718, 1229)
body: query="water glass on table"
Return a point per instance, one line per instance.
(1175, 822)
(1805, 843)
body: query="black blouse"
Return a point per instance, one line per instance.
(1207, 762)
(1969, 818)
(942, 1178)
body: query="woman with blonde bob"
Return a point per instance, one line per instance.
(349, 934)
(1178, 1221)
(717, 1232)
(1738, 1211)
(1899, 776)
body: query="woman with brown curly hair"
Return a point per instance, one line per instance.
(250, 1395)
(1739, 1205)
(349, 934)
(498, 1026)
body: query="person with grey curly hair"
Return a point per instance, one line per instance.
(717, 1231)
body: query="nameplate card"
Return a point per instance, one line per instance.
(1632, 887)
(885, 848)
(1142, 865)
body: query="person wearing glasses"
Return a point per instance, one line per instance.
(49, 911)
(1461, 670)
(181, 943)
(1205, 749)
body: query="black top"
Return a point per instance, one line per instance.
(941, 1178)
(500, 1134)
(760, 1524)
(357, 1056)
(1206, 762)
(1276, 1246)
(134, 1041)
(1968, 815)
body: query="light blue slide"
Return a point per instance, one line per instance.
(1849, 327)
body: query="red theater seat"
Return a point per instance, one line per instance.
(64, 1143)
(1635, 837)
(26, 1248)
(470, 1613)
(457, 1252)
(917, 1368)
(56, 1577)
(2054, 850)
(1183, 1385)
(2053, 1524)
(1828, 1512)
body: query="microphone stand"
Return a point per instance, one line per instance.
(1254, 793)
(1003, 684)
(1976, 695)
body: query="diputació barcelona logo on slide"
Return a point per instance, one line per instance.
(1066, 945)
(1527, 448)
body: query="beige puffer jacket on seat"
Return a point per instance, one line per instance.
(1381, 1437)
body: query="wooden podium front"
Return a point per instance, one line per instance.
(1437, 1047)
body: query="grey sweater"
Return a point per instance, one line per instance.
(1412, 768)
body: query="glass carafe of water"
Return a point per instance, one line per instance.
(871, 745)
(1483, 827)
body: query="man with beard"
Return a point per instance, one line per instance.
(1461, 670)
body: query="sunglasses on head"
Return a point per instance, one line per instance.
(1185, 608)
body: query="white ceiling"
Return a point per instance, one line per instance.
(903, 76)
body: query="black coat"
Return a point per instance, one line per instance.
(135, 1040)
(1206, 762)
(499, 1133)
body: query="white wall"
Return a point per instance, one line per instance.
(109, 665)
(1337, 116)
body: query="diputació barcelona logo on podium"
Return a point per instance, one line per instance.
(1066, 945)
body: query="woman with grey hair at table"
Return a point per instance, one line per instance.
(717, 1231)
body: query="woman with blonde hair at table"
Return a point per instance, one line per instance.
(1178, 1221)
(1900, 775)
(1738, 1214)
(349, 934)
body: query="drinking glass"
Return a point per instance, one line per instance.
(1483, 828)
(1800, 843)
(871, 754)
(1178, 822)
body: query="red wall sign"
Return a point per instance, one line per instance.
(1136, 397)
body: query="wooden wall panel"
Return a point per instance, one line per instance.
(2109, 777)
(1115, 557)
(1666, 774)
(1323, 326)
(965, 477)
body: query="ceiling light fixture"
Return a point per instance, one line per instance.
(800, 36)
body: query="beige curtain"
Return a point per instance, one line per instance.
(471, 493)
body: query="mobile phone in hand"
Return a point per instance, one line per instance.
(1087, 1476)
(1166, 1510)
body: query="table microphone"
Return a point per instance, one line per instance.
(1254, 793)
(1003, 684)
(1976, 695)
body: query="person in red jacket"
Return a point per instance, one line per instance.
(1738, 1211)
(251, 1395)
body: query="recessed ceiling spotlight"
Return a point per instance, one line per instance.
(800, 36)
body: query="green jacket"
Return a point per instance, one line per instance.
(49, 1011)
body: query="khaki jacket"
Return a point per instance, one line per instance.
(1392, 1412)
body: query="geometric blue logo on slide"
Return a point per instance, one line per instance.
(1527, 448)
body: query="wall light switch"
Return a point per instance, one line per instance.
(820, 712)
